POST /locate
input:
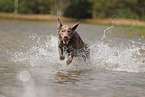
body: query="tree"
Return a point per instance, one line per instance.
(6, 6)
(57, 6)
(78, 9)
(34, 6)
(15, 6)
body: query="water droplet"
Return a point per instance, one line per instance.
(24, 76)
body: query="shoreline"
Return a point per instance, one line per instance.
(43, 17)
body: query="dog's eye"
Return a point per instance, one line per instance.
(63, 31)
(69, 31)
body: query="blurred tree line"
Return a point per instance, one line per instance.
(79, 9)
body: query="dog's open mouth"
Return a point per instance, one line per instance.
(66, 41)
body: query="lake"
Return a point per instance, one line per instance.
(30, 65)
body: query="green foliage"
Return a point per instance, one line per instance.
(6, 5)
(119, 8)
(79, 8)
(34, 6)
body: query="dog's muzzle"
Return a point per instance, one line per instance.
(66, 41)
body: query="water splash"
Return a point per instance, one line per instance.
(118, 58)
(112, 58)
(103, 56)
(41, 53)
(104, 36)
(45, 54)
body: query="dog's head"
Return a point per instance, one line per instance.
(66, 32)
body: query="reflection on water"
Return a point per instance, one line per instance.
(70, 77)
(30, 67)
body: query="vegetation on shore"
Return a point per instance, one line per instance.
(44, 17)
(126, 13)
(79, 9)
(136, 27)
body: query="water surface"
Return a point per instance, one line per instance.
(30, 67)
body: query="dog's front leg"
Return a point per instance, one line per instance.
(61, 53)
(70, 58)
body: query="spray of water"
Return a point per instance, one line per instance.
(103, 56)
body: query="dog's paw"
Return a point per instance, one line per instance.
(68, 61)
(62, 58)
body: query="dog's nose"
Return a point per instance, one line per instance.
(66, 37)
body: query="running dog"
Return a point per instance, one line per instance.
(71, 42)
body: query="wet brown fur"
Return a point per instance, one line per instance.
(71, 42)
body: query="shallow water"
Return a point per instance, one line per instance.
(29, 64)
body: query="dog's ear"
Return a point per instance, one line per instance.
(75, 26)
(59, 24)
